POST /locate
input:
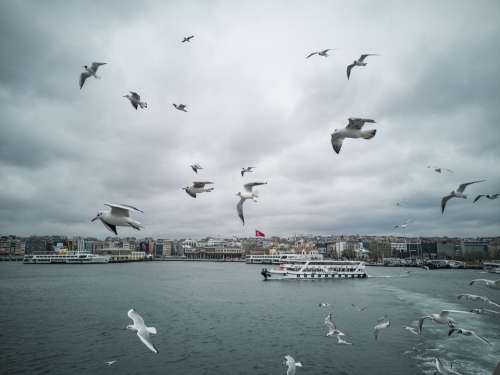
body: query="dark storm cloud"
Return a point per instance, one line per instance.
(253, 99)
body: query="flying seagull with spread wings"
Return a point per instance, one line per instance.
(440, 169)
(323, 53)
(90, 72)
(246, 170)
(459, 193)
(119, 215)
(198, 187)
(352, 130)
(142, 330)
(247, 194)
(180, 107)
(489, 196)
(467, 332)
(187, 39)
(442, 318)
(135, 100)
(196, 167)
(358, 62)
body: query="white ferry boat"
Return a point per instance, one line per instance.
(280, 258)
(316, 269)
(66, 258)
(493, 266)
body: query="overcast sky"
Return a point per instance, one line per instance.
(253, 99)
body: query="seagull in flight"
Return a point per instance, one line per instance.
(466, 332)
(180, 107)
(246, 170)
(493, 284)
(340, 340)
(90, 72)
(440, 169)
(352, 130)
(291, 364)
(473, 297)
(332, 328)
(481, 311)
(358, 62)
(187, 39)
(247, 194)
(411, 329)
(135, 100)
(459, 193)
(489, 196)
(119, 215)
(196, 167)
(403, 226)
(198, 187)
(142, 330)
(323, 304)
(359, 308)
(323, 53)
(380, 326)
(441, 318)
(109, 363)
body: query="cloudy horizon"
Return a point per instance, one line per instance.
(253, 100)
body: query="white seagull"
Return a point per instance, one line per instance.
(332, 328)
(109, 363)
(323, 53)
(403, 226)
(323, 304)
(198, 187)
(411, 329)
(440, 169)
(489, 196)
(196, 167)
(379, 327)
(90, 72)
(467, 332)
(340, 340)
(352, 130)
(473, 297)
(180, 107)
(358, 62)
(187, 39)
(493, 284)
(442, 368)
(441, 318)
(135, 100)
(459, 193)
(142, 330)
(247, 194)
(291, 364)
(246, 170)
(119, 215)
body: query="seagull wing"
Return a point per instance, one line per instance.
(121, 209)
(110, 227)
(248, 187)
(349, 68)
(494, 196)
(146, 340)
(443, 202)
(136, 318)
(83, 77)
(135, 95)
(337, 140)
(311, 54)
(190, 193)
(480, 338)
(478, 197)
(326, 50)
(363, 57)
(239, 208)
(462, 187)
(421, 323)
(358, 123)
(200, 184)
(96, 65)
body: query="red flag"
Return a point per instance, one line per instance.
(258, 233)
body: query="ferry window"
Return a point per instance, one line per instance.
(298, 275)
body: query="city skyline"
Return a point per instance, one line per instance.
(253, 99)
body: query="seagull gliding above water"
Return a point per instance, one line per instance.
(291, 364)
(493, 284)
(118, 216)
(143, 331)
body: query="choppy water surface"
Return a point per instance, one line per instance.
(215, 318)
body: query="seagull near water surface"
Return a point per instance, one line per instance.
(493, 284)
(442, 368)
(358, 62)
(459, 193)
(198, 187)
(119, 215)
(291, 364)
(467, 332)
(332, 328)
(142, 330)
(90, 72)
(323, 53)
(352, 130)
(382, 324)
(135, 100)
(441, 318)
(247, 194)
(473, 297)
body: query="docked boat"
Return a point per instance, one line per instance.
(316, 269)
(280, 258)
(492, 267)
(66, 258)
